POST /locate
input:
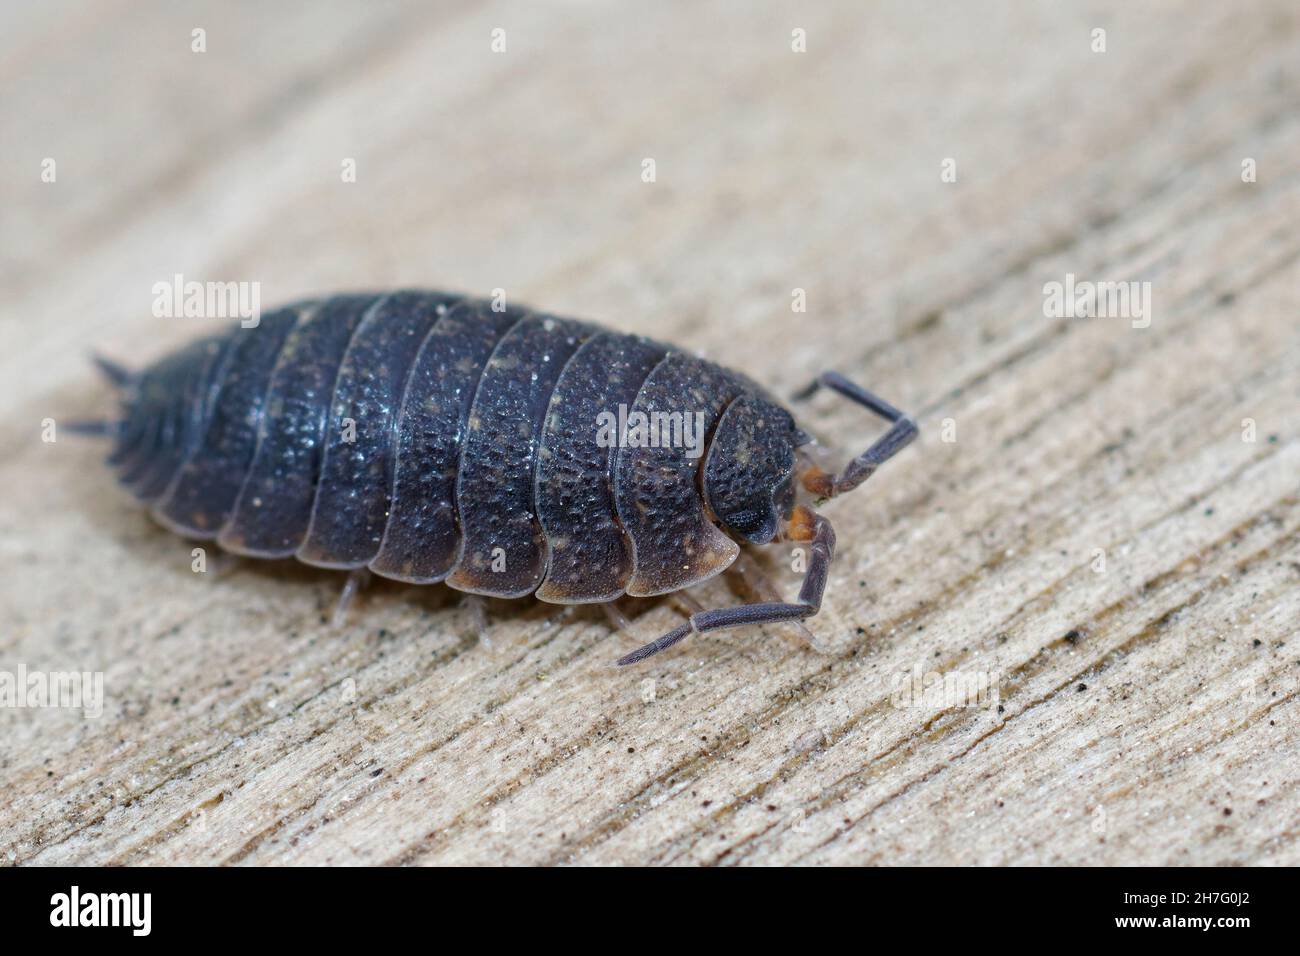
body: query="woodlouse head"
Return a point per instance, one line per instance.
(749, 472)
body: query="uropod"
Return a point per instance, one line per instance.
(429, 437)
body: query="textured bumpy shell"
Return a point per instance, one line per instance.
(430, 438)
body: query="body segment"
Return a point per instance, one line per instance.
(355, 482)
(274, 506)
(591, 556)
(503, 550)
(675, 544)
(422, 539)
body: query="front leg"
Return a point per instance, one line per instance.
(822, 538)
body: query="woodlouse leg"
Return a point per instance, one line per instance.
(617, 619)
(478, 621)
(900, 434)
(223, 563)
(758, 586)
(357, 579)
(625, 627)
(822, 548)
(687, 602)
(621, 623)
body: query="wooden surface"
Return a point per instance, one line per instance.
(1146, 713)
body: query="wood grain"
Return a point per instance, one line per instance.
(1145, 714)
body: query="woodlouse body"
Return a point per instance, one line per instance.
(429, 438)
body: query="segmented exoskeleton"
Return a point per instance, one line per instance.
(430, 437)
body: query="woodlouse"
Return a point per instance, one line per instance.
(429, 437)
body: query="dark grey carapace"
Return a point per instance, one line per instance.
(429, 437)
